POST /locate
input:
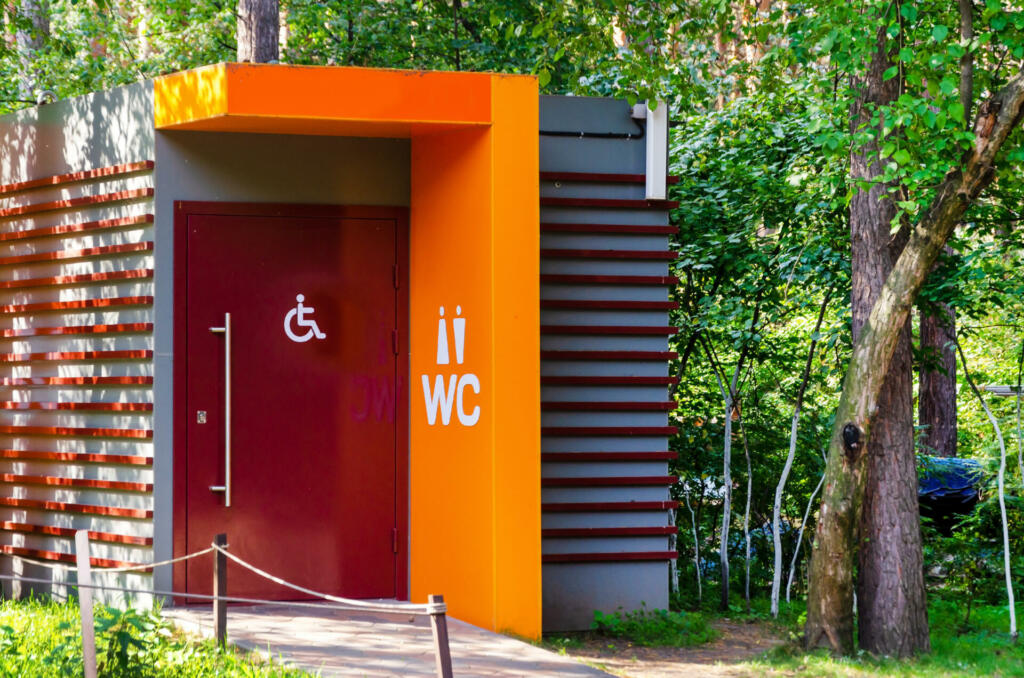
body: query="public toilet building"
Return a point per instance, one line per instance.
(394, 333)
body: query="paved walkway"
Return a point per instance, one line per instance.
(336, 643)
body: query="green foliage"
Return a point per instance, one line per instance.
(42, 639)
(984, 650)
(655, 627)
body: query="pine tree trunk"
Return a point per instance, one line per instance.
(892, 616)
(892, 619)
(258, 26)
(936, 409)
(830, 595)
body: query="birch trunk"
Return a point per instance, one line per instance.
(800, 536)
(696, 544)
(788, 466)
(830, 595)
(1001, 481)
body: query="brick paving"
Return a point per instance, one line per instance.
(341, 643)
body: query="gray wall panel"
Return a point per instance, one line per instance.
(573, 591)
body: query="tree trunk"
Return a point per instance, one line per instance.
(890, 593)
(892, 616)
(936, 410)
(258, 26)
(830, 595)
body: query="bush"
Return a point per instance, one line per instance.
(655, 627)
(42, 639)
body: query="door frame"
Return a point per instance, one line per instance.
(183, 209)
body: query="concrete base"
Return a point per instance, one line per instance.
(572, 591)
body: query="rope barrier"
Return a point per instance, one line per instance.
(398, 608)
(196, 596)
(116, 570)
(435, 609)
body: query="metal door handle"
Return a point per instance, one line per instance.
(226, 487)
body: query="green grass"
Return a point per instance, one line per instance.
(984, 648)
(42, 639)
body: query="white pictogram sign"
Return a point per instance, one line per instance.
(299, 314)
(445, 394)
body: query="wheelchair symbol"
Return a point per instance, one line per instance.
(299, 314)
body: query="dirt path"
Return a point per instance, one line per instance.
(738, 642)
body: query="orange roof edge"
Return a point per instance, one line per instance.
(361, 98)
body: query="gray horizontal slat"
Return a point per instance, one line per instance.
(603, 494)
(604, 545)
(594, 469)
(592, 241)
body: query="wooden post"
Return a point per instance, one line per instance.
(442, 650)
(220, 589)
(85, 602)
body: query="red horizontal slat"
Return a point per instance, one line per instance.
(84, 278)
(79, 329)
(602, 177)
(605, 406)
(552, 227)
(76, 381)
(609, 305)
(64, 557)
(621, 481)
(81, 227)
(658, 255)
(606, 456)
(69, 432)
(610, 203)
(78, 304)
(658, 356)
(607, 381)
(625, 280)
(72, 177)
(75, 355)
(94, 407)
(608, 430)
(55, 481)
(608, 506)
(608, 557)
(69, 533)
(85, 253)
(612, 330)
(75, 508)
(117, 196)
(609, 531)
(77, 457)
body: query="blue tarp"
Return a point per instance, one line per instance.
(948, 487)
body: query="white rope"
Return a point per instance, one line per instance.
(203, 596)
(115, 570)
(133, 568)
(402, 608)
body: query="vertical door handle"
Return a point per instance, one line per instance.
(226, 487)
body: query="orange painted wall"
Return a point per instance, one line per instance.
(474, 244)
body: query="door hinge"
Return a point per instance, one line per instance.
(394, 341)
(394, 539)
(394, 271)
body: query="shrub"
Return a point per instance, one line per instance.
(655, 627)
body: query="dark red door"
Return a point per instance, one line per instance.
(314, 379)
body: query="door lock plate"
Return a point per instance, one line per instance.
(200, 416)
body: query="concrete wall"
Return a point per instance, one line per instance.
(88, 467)
(599, 552)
